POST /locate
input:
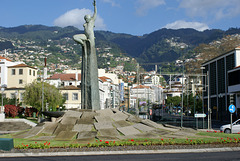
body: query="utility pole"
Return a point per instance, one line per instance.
(182, 87)
(137, 87)
(208, 100)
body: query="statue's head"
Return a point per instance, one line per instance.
(87, 18)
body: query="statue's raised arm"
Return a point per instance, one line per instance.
(95, 10)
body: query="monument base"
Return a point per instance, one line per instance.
(2, 117)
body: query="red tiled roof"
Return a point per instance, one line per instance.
(5, 58)
(141, 86)
(21, 66)
(66, 77)
(104, 79)
(70, 88)
(237, 67)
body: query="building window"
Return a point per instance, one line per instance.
(34, 73)
(20, 71)
(21, 97)
(13, 95)
(65, 96)
(13, 71)
(30, 72)
(20, 81)
(75, 96)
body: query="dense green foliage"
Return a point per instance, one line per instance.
(5, 45)
(33, 96)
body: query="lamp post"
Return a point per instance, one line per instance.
(2, 89)
(182, 47)
(16, 93)
(195, 98)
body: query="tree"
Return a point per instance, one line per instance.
(175, 101)
(33, 96)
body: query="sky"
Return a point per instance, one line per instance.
(136, 17)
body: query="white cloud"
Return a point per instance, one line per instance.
(210, 9)
(144, 5)
(112, 2)
(183, 24)
(75, 18)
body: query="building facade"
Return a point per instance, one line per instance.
(216, 95)
(4, 64)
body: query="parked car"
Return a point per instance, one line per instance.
(235, 127)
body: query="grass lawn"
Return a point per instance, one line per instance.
(200, 138)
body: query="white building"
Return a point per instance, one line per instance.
(108, 91)
(4, 64)
(141, 92)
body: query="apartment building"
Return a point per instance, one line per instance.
(4, 64)
(14, 77)
(221, 73)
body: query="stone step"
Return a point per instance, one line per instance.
(13, 126)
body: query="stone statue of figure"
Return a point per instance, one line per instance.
(89, 74)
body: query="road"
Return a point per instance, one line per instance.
(216, 156)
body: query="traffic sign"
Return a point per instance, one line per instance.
(198, 115)
(232, 108)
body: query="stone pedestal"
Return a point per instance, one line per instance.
(2, 117)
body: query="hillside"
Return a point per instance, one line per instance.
(161, 46)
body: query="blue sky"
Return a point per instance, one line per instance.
(136, 17)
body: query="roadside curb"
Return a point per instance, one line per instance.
(47, 154)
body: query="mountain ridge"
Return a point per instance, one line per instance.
(163, 45)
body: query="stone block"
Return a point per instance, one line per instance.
(134, 119)
(68, 120)
(66, 135)
(129, 130)
(143, 128)
(49, 128)
(27, 134)
(103, 125)
(151, 123)
(85, 121)
(87, 118)
(62, 127)
(34, 131)
(82, 127)
(44, 138)
(103, 119)
(121, 123)
(88, 114)
(105, 112)
(75, 114)
(119, 116)
(87, 135)
(109, 132)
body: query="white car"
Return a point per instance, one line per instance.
(227, 128)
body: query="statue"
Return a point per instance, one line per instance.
(89, 74)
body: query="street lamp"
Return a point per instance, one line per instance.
(195, 98)
(2, 89)
(182, 47)
(16, 93)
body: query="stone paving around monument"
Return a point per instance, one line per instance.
(108, 124)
